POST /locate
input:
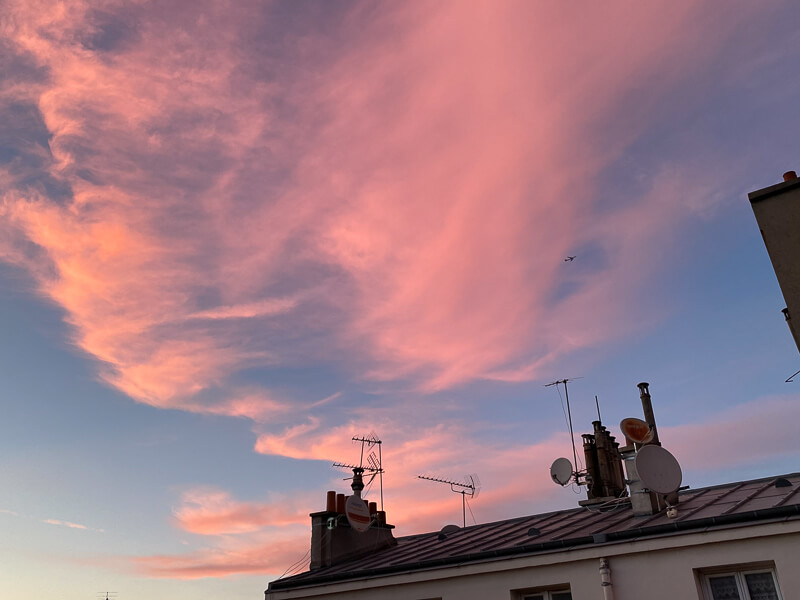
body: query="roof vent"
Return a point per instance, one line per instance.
(533, 532)
(447, 530)
(782, 482)
(789, 176)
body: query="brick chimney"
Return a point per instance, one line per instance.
(333, 540)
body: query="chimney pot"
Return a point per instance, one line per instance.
(340, 500)
(373, 508)
(330, 501)
(789, 176)
(358, 481)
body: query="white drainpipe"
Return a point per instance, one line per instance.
(605, 580)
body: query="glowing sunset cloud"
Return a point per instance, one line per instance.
(432, 198)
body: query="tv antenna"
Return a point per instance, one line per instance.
(374, 461)
(471, 486)
(108, 596)
(569, 417)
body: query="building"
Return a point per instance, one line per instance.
(740, 540)
(777, 211)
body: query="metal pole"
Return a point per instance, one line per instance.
(464, 506)
(571, 436)
(380, 466)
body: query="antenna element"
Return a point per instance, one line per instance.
(470, 489)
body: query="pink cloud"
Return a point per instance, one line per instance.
(70, 525)
(749, 433)
(64, 523)
(413, 208)
(510, 472)
(215, 512)
(274, 556)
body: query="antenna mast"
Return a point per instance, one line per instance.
(569, 416)
(472, 488)
(374, 461)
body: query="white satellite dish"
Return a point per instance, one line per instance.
(636, 430)
(357, 514)
(561, 471)
(658, 469)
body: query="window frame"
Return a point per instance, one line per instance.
(738, 573)
(543, 594)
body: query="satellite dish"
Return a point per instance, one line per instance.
(357, 514)
(636, 430)
(658, 469)
(561, 471)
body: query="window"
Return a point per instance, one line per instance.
(759, 584)
(555, 595)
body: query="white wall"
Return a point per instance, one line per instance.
(656, 569)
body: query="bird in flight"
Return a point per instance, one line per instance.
(569, 259)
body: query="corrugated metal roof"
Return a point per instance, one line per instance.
(741, 502)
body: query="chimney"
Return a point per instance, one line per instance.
(333, 541)
(605, 480)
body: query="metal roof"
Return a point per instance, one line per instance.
(745, 502)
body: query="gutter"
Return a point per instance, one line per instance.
(777, 512)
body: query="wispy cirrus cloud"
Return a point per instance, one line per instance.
(71, 525)
(403, 198)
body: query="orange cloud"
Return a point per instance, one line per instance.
(412, 206)
(265, 558)
(214, 512)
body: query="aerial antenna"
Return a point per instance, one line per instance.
(106, 595)
(597, 404)
(569, 414)
(471, 486)
(374, 461)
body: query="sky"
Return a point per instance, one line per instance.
(234, 235)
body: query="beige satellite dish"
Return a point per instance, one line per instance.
(636, 430)
(658, 469)
(357, 514)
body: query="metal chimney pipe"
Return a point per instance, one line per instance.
(647, 408)
(358, 482)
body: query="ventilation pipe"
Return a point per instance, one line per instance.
(647, 408)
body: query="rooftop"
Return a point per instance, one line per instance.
(740, 503)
